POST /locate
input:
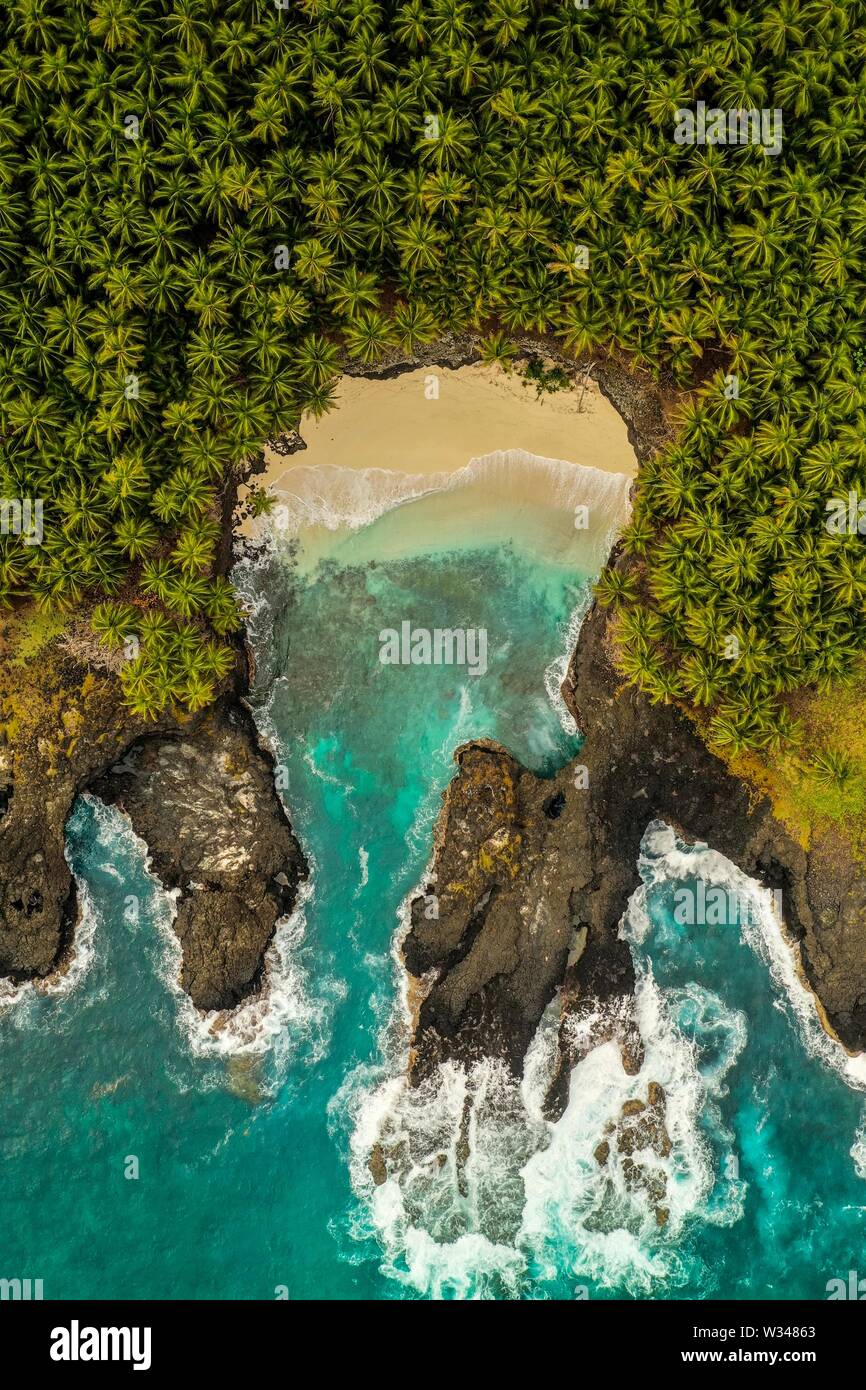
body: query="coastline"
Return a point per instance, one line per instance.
(638, 407)
(474, 410)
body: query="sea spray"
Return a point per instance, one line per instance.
(276, 1017)
(665, 859)
(77, 961)
(473, 1192)
(556, 672)
(778, 1128)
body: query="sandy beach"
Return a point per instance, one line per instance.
(433, 421)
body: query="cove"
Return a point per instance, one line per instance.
(254, 1142)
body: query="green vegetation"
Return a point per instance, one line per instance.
(205, 203)
(546, 380)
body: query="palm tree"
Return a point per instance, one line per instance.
(368, 335)
(194, 549)
(355, 290)
(137, 536)
(113, 622)
(614, 586)
(413, 324)
(334, 179)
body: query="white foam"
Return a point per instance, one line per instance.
(665, 857)
(272, 1021)
(858, 1150)
(338, 498)
(556, 672)
(482, 1192)
(75, 967)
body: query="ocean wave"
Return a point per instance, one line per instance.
(74, 968)
(858, 1150)
(664, 857)
(350, 498)
(461, 728)
(556, 672)
(275, 1020)
(471, 1192)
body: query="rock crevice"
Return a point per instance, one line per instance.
(563, 882)
(199, 790)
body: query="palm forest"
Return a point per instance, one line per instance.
(206, 206)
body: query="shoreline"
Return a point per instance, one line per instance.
(397, 437)
(644, 426)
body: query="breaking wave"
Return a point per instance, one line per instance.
(666, 858)
(74, 968)
(472, 1192)
(351, 498)
(273, 1021)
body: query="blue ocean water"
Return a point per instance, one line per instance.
(148, 1154)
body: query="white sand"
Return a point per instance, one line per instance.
(399, 423)
(435, 420)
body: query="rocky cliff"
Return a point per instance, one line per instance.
(199, 790)
(532, 876)
(204, 803)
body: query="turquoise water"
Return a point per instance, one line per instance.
(251, 1145)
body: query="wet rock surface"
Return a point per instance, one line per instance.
(199, 790)
(204, 803)
(638, 1141)
(529, 904)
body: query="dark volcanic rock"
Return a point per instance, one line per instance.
(497, 922)
(525, 902)
(638, 1142)
(62, 724)
(533, 876)
(199, 791)
(204, 803)
(649, 762)
(529, 904)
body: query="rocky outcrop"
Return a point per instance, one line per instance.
(204, 802)
(61, 724)
(637, 1143)
(198, 789)
(532, 877)
(504, 915)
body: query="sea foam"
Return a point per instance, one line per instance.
(276, 1018)
(665, 857)
(483, 1196)
(480, 1195)
(337, 498)
(74, 968)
